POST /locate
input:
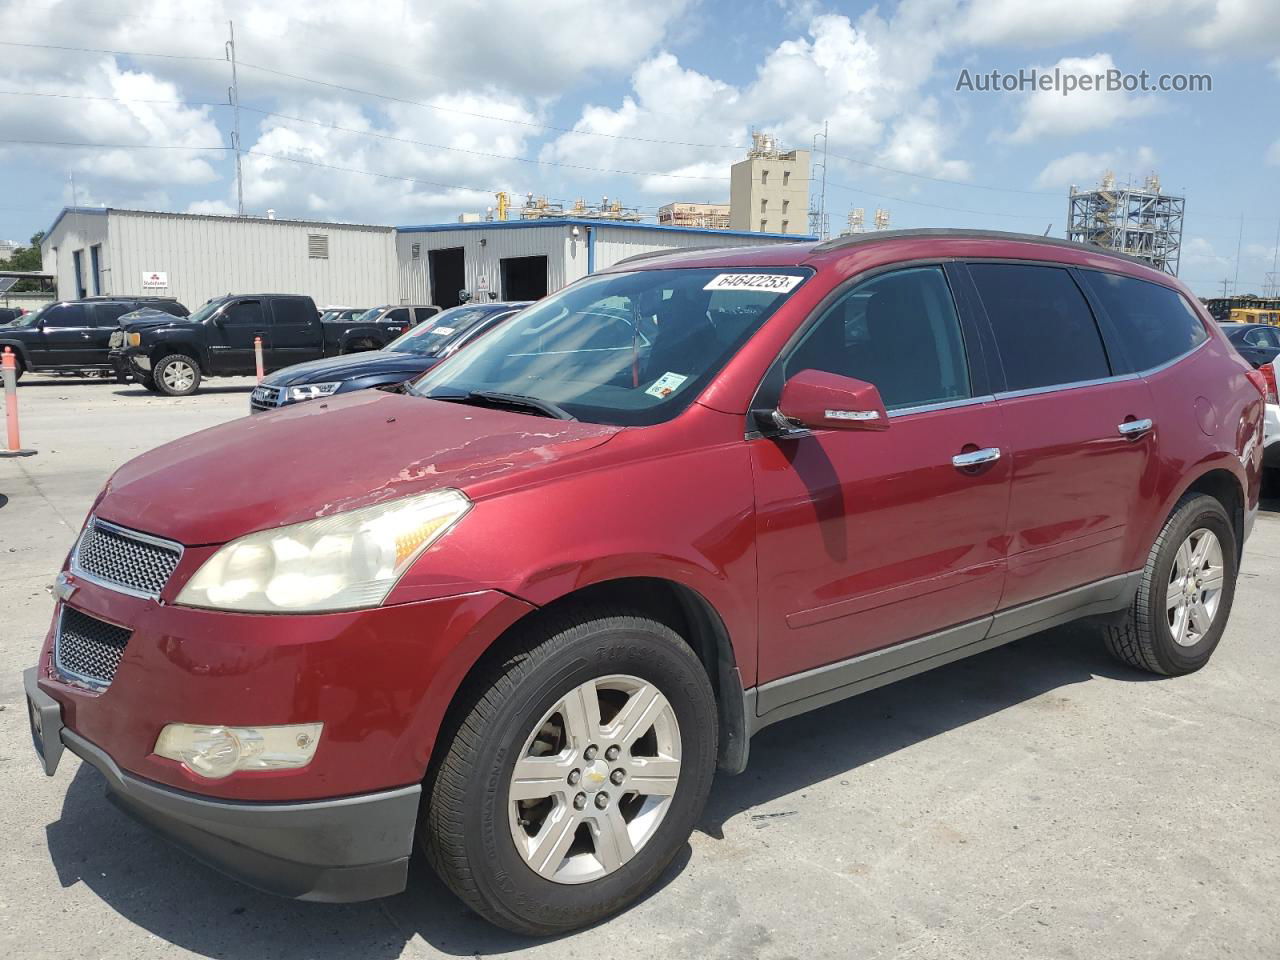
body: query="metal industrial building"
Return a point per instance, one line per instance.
(193, 257)
(527, 259)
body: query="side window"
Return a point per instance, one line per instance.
(1044, 328)
(289, 312)
(399, 315)
(1155, 323)
(108, 314)
(244, 313)
(1261, 337)
(67, 315)
(899, 331)
(423, 313)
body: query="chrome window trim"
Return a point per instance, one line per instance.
(1159, 367)
(83, 574)
(1118, 378)
(941, 405)
(92, 683)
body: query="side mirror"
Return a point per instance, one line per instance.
(828, 401)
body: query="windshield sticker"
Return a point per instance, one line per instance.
(666, 385)
(443, 331)
(769, 282)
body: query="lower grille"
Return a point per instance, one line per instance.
(88, 649)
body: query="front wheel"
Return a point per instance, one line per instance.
(575, 771)
(176, 375)
(1185, 594)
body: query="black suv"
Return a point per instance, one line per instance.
(172, 355)
(73, 335)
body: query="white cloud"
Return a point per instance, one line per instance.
(1050, 113)
(1273, 154)
(1085, 168)
(918, 144)
(1199, 252)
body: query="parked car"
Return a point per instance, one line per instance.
(410, 355)
(1258, 343)
(342, 313)
(410, 313)
(9, 314)
(173, 357)
(522, 610)
(69, 336)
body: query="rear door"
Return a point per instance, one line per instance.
(867, 539)
(295, 333)
(236, 327)
(1078, 426)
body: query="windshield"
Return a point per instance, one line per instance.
(626, 349)
(27, 319)
(205, 312)
(431, 336)
(370, 315)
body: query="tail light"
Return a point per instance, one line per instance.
(1260, 380)
(1268, 372)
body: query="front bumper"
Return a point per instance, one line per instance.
(130, 365)
(337, 850)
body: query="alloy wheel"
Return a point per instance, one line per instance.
(594, 779)
(1195, 587)
(178, 376)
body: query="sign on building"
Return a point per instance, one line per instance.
(155, 280)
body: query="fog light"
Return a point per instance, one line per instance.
(216, 752)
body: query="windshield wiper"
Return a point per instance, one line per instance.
(515, 400)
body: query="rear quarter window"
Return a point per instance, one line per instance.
(1155, 323)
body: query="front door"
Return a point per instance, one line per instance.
(1081, 436)
(67, 337)
(237, 325)
(867, 539)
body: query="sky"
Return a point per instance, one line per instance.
(414, 112)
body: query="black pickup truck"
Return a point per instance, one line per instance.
(172, 355)
(69, 336)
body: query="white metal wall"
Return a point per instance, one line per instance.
(77, 231)
(566, 255)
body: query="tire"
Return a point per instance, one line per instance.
(1155, 635)
(147, 383)
(469, 825)
(176, 375)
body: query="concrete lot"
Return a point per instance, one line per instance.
(1036, 801)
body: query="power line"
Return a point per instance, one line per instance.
(114, 53)
(106, 146)
(957, 183)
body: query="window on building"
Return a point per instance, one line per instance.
(763, 202)
(784, 225)
(1044, 328)
(786, 177)
(318, 246)
(95, 265)
(764, 178)
(785, 205)
(764, 224)
(1154, 322)
(899, 331)
(415, 251)
(77, 262)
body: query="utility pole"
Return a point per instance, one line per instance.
(233, 96)
(1235, 286)
(1226, 281)
(822, 202)
(1273, 281)
(75, 202)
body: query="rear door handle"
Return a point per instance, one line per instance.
(976, 458)
(1134, 428)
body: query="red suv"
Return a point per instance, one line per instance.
(522, 609)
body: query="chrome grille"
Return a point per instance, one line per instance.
(125, 560)
(86, 648)
(265, 398)
(116, 339)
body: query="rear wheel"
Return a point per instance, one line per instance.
(575, 771)
(1185, 595)
(176, 375)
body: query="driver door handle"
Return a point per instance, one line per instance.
(976, 458)
(1134, 428)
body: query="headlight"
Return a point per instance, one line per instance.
(310, 391)
(217, 752)
(135, 339)
(344, 562)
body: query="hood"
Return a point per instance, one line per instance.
(320, 458)
(148, 317)
(351, 365)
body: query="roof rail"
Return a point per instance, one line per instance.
(840, 243)
(669, 252)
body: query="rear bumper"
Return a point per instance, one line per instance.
(339, 850)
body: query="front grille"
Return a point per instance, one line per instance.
(265, 398)
(116, 340)
(125, 560)
(86, 648)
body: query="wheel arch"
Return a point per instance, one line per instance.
(165, 348)
(19, 352)
(1224, 486)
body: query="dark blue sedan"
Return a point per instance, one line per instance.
(409, 355)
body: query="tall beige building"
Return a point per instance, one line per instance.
(769, 190)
